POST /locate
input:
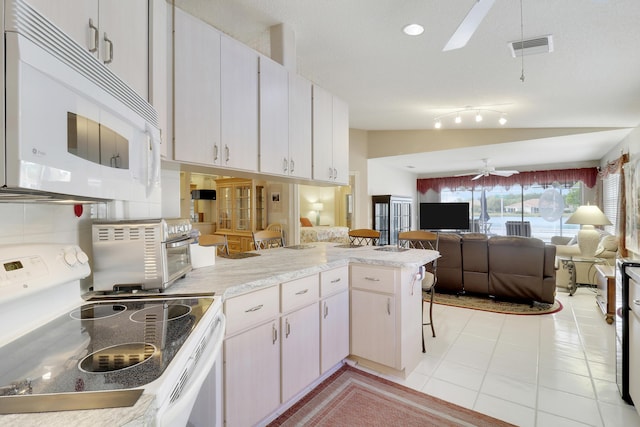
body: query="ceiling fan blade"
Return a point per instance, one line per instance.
(469, 25)
(477, 176)
(504, 173)
(466, 174)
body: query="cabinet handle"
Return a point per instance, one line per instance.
(372, 279)
(274, 333)
(389, 306)
(636, 301)
(285, 164)
(335, 174)
(109, 47)
(95, 38)
(302, 292)
(335, 280)
(256, 308)
(215, 152)
(287, 328)
(330, 173)
(292, 166)
(226, 153)
(326, 310)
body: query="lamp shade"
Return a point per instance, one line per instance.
(588, 215)
(318, 206)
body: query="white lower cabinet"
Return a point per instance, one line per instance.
(385, 317)
(634, 343)
(252, 375)
(334, 330)
(300, 350)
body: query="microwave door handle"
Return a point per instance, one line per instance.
(153, 161)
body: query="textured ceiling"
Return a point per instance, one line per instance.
(356, 49)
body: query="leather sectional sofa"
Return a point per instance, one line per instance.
(507, 267)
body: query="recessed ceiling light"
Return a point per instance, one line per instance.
(413, 29)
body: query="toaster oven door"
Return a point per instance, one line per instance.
(177, 259)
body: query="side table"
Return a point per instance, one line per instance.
(569, 263)
(606, 293)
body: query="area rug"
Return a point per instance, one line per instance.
(485, 303)
(351, 397)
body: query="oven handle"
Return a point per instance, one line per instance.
(177, 413)
(179, 243)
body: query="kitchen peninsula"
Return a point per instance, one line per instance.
(295, 313)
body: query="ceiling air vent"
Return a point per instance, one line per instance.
(533, 46)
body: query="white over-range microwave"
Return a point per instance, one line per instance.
(73, 129)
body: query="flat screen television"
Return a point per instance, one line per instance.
(444, 216)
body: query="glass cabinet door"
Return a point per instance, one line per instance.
(391, 215)
(224, 201)
(243, 207)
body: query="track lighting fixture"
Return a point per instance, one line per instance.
(478, 115)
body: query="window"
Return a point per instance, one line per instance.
(610, 194)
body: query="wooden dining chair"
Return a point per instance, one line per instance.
(276, 226)
(419, 239)
(267, 239)
(217, 240)
(364, 237)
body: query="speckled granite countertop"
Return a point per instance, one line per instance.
(229, 278)
(233, 277)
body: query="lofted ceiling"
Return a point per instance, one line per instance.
(586, 92)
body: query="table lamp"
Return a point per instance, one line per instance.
(588, 237)
(318, 207)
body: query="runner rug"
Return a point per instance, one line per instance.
(351, 397)
(485, 303)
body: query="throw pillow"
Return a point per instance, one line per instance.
(304, 222)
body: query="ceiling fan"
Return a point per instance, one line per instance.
(487, 170)
(469, 25)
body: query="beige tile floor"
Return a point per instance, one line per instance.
(532, 371)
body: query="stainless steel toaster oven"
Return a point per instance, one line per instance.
(140, 254)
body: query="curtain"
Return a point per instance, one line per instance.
(588, 176)
(616, 167)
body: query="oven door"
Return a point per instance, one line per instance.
(176, 255)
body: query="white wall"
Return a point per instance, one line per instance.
(396, 182)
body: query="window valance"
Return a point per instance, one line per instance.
(587, 175)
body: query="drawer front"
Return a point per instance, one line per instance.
(299, 292)
(334, 281)
(373, 278)
(251, 309)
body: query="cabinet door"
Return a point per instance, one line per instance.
(300, 350)
(72, 17)
(252, 375)
(340, 129)
(197, 91)
(634, 342)
(334, 330)
(299, 126)
(239, 98)
(373, 327)
(322, 135)
(274, 117)
(124, 39)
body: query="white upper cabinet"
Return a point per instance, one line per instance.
(285, 121)
(117, 35)
(330, 138)
(197, 91)
(299, 127)
(239, 105)
(274, 117)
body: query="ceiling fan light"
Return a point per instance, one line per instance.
(458, 119)
(478, 117)
(438, 124)
(502, 120)
(413, 29)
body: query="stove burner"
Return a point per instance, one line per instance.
(97, 311)
(117, 357)
(154, 314)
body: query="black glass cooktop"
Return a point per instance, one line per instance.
(106, 345)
